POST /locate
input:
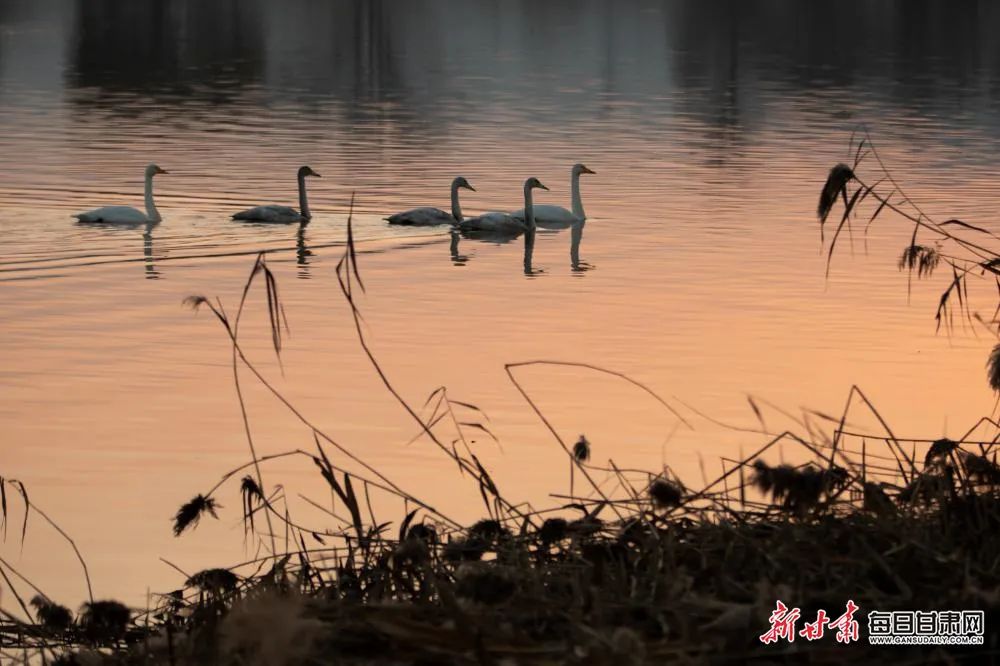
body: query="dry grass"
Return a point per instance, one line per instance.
(688, 576)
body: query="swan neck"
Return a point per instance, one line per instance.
(151, 212)
(577, 203)
(303, 199)
(529, 210)
(456, 209)
(529, 249)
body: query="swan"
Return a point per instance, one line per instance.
(557, 217)
(493, 222)
(505, 223)
(127, 214)
(283, 214)
(425, 217)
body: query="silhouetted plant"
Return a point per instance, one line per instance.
(105, 622)
(993, 369)
(189, 515)
(214, 581)
(835, 186)
(665, 493)
(800, 489)
(484, 584)
(52, 616)
(553, 530)
(976, 256)
(920, 257)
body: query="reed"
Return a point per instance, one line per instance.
(869, 191)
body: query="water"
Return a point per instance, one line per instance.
(711, 130)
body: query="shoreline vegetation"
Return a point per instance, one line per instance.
(641, 569)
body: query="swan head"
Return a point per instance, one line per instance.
(579, 168)
(153, 170)
(306, 171)
(533, 184)
(463, 183)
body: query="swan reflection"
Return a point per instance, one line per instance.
(576, 238)
(147, 253)
(457, 258)
(578, 266)
(302, 253)
(529, 251)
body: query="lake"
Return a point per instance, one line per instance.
(700, 270)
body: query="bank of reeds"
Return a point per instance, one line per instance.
(643, 570)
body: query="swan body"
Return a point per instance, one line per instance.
(556, 217)
(493, 222)
(271, 214)
(127, 214)
(114, 215)
(550, 216)
(427, 216)
(282, 214)
(422, 217)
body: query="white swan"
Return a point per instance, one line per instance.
(557, 217)
(283, 214)
(127, 214)
(504, 223)
(425, 217)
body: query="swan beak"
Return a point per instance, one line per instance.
(469, 187)
(542, 186)
(316, 174)
(159, 170)
(586, 170)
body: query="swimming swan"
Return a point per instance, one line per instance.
(504, 223)
(127, 214)
(493, 222)
(557, 217)
(283, 214)
(425, 217)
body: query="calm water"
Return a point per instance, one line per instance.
(711, 128)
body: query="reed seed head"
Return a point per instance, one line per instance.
(190, 513)
(993, 369)
(50, 614)
(665, 493)
(836, 183)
